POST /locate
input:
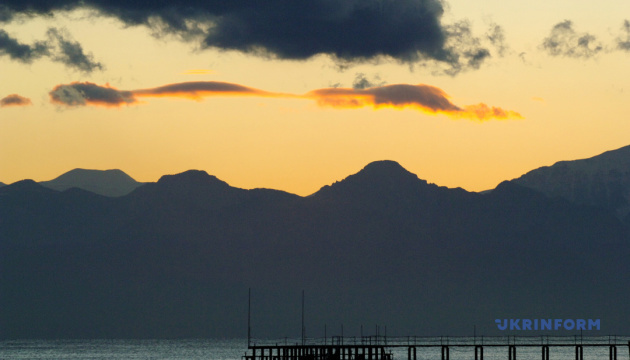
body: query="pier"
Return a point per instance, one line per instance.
(382, 348)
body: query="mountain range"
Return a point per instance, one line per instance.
(175, 258)
(602, 180)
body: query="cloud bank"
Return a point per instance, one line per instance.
(350, 31)
(15, 100)
(425, 98)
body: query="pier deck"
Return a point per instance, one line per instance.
(380, 348)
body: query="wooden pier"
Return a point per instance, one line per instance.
(381, 348)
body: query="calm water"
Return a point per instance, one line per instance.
(235, 349)
(123, 349)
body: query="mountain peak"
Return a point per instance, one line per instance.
(390, 166)
(103, 182)
(194, 178)
(378, 177)
(386, 173)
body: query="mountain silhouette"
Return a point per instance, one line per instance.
(174, 259)
(103, 182)
(376, 180)
(602, 180)
(2, 184)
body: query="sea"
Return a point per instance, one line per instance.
(235, 349)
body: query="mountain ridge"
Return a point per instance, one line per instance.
(612, 184)
(111, 183)
(602, 180)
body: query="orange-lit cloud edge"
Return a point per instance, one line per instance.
(15, 100)
(198, 72)
(425, 98)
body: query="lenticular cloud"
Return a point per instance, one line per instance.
(424, 98)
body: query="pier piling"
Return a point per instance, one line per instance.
(545, 352)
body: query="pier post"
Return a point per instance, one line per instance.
(478, 352)
(411, 353)
(512, 352)
(613, 352)
(545, 352)
(579, 352)
(445, 355)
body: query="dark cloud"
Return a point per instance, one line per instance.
(70, 53)
(623, 41)
(353, 29)
(565, 41)
(350, 31)
(21, 52)
(86, 93)
(15, 100)
(5, 14)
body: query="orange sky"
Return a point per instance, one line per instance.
(303, 125)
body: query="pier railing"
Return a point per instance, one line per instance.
(381, 347)
(405, 341)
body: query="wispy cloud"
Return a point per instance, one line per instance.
(496, 36)
(426, 98)
(59, 47)
(18, 51)
(70, 52)
(361, 82)
(15, 100)
(623, 41)
(465, 50)
(565, 41)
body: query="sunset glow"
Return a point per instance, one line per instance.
(464, 94)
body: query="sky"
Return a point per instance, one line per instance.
(294, 95)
